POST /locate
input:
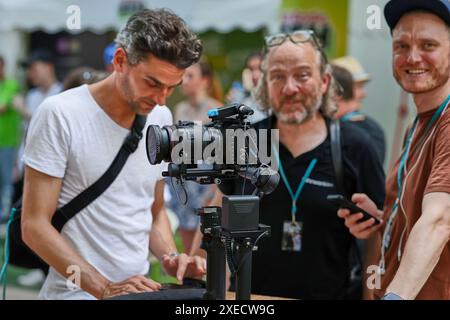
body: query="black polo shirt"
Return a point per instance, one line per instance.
(321, 269)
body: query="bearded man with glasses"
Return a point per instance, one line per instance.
(307, 255)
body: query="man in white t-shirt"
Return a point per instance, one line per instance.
(72, 140)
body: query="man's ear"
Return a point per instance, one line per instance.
(120, 60)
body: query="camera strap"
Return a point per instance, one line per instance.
(336, 155)
(81, 201)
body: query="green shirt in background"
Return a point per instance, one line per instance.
(10, 120)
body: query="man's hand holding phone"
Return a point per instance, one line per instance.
(360, 228)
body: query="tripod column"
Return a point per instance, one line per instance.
(215, 250)
(244, 273)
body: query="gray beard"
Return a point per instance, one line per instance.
(299, 117)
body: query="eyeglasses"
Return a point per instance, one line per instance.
(298, 36)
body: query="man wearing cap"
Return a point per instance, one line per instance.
(413, 249)
(40, 68)
(349, 109)
(360, 79)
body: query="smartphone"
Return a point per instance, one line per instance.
(342, 202)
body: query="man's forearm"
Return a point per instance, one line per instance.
(54, 249)
(422, 251)
(196, 245)
(161, 238)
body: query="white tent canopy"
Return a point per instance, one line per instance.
(102, 15)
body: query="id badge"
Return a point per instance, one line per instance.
(292, 236)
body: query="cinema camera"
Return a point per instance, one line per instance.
(229, 232)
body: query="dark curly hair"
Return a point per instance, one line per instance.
(161, 33)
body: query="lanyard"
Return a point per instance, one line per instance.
(407, 148)
(305, 177)
(350, 115)
(388, 229)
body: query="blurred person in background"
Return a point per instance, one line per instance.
(241, 92)
(350, 109)
(40, 68)
(10, 135)
(203, 94)
(83, 75)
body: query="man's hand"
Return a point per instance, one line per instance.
(134, 284)
(20, 106)
(182, 265)
(19, 103)
(365, 229)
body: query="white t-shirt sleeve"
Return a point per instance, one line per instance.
(47, 143)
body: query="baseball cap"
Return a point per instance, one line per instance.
(395, 9)
(38, 55)
(353, 66)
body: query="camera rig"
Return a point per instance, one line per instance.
(230, 232)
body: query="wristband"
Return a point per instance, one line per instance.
(391, 296)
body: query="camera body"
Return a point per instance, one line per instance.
(208, 153)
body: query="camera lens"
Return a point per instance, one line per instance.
(158, 144)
